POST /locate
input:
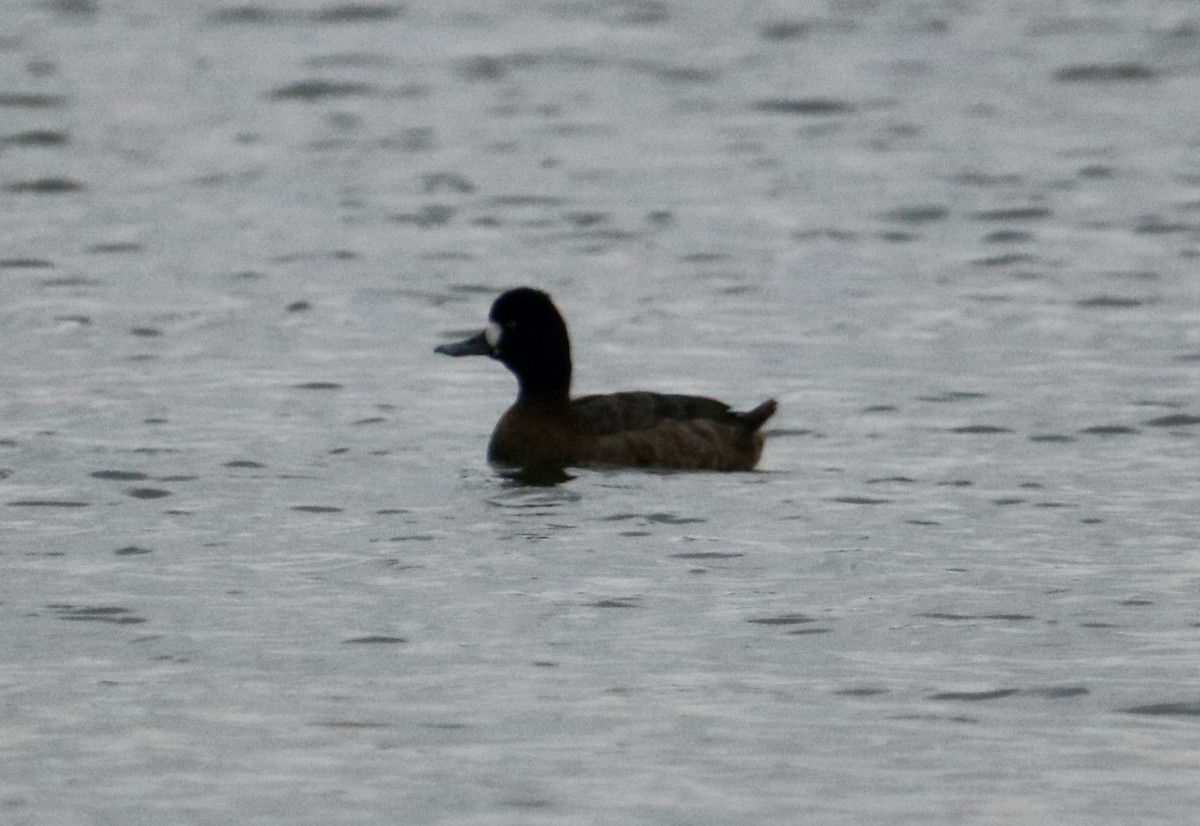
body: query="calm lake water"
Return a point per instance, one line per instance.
(255, 569)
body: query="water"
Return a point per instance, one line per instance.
(256, 569)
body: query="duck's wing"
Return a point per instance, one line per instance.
(603, 415)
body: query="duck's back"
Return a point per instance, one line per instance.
(670, 431)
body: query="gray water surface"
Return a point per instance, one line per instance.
(256, 571)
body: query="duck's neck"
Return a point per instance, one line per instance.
(549, 385)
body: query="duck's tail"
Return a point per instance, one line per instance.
(752, 420)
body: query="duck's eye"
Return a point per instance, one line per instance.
(492, 333)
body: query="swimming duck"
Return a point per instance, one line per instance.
(545, 428)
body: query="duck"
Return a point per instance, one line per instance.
(547, 429)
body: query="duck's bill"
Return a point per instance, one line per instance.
(476, 345)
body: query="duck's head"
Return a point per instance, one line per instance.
(526, 333)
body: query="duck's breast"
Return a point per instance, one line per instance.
(528, 437)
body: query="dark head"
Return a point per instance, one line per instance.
(525, 333)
